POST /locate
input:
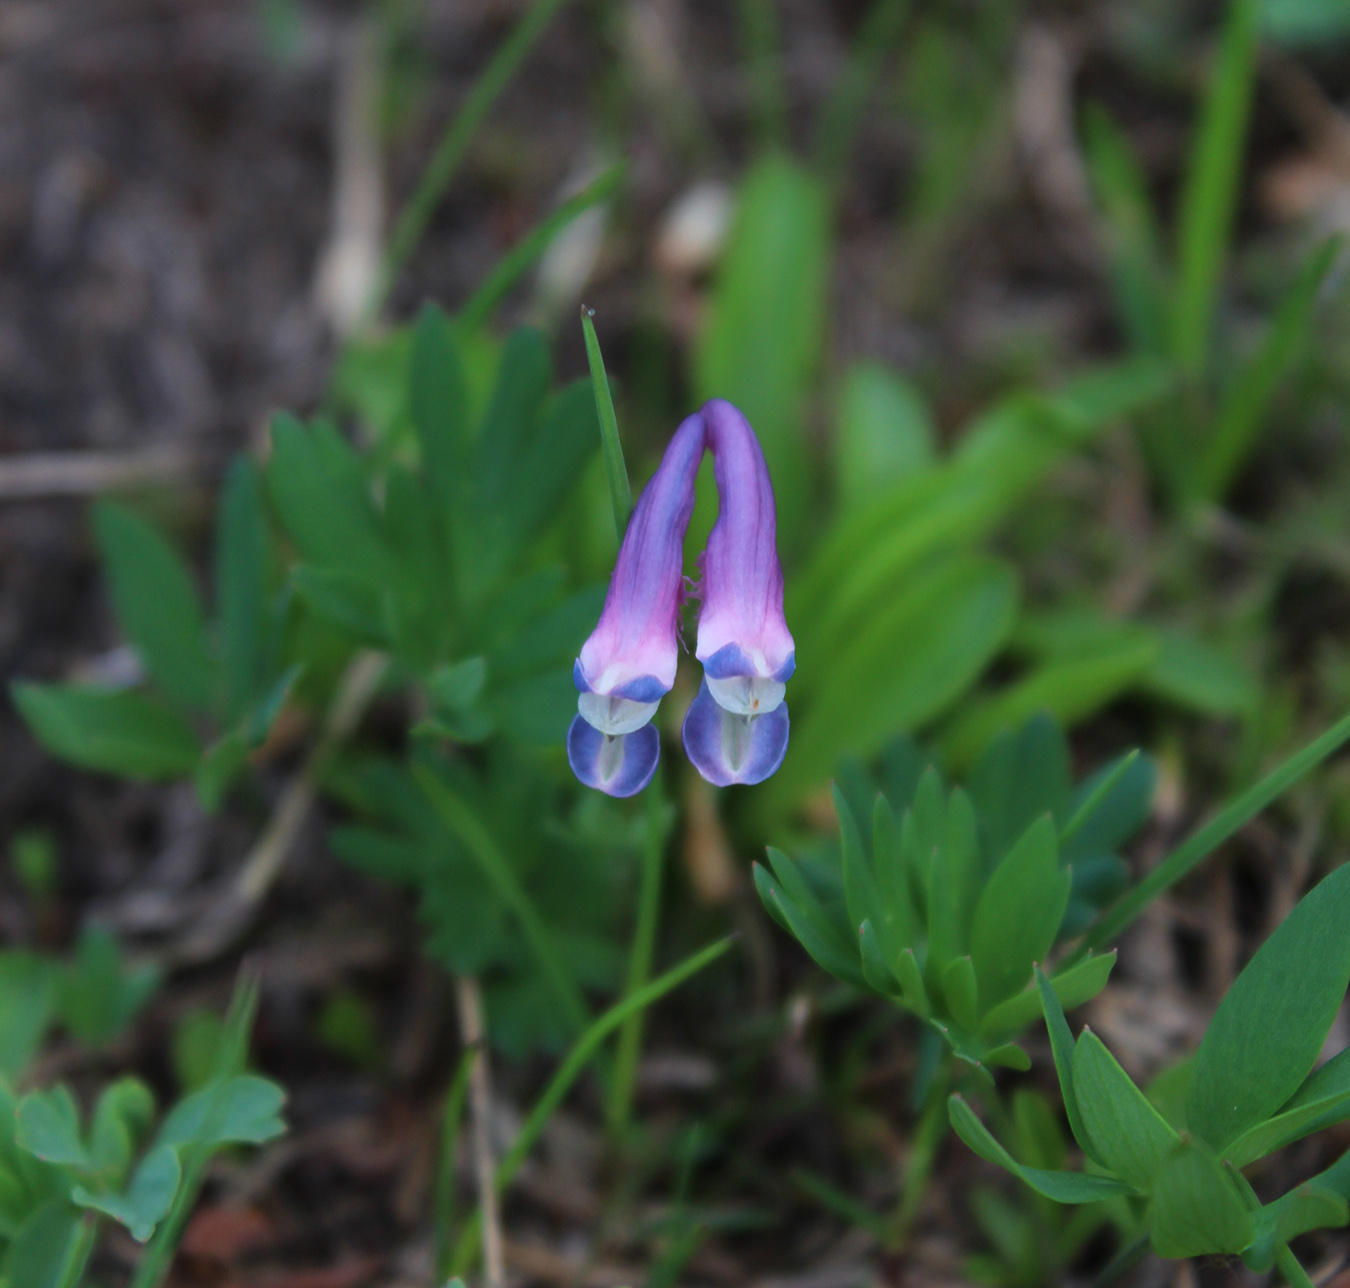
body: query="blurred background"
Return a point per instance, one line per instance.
(874, 226)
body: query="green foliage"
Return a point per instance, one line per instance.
(224, 676)
(59, 1172)
(942, 901)
(94, 996)
(1199, 441)
(1251, 1090)
(516, 889)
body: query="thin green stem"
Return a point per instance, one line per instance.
(659, 817)
(71, 1272)
(620, 493)
(462, 821)
(1294, 1274)
(444, 1217)
(466, 1249)
(509, 270)
(1204, 842)
(417, 213)
(933, 1126)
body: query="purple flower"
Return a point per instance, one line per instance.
(736, 730)
(628, 664)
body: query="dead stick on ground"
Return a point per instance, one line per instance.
(48, 474)
(472, 1033)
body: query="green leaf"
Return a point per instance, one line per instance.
(1192, 674)
(1132, 233)
(459, 686)
(1019, 913)
(886, 432)
(27, 989)
(147, 1199)
(96, 996)
(548, 471)
(862, 895)
(221, 764)
(875, 968)
(1209, 196)
(244, 1109)
(51, 1249)
(1309, 1207)
(798, 908)
(440, 411)
(49, 1128)
(953, 885)
(1062, 1050)
(1289, 993)
(1069, 688)
(1062, 1187)
(243, 558)
(961, 990)
(1239, 419)
(157, 605)
(892, 878)
(760, 345)
(1291, 1125)
(1073, 987)
(1196, 1210)
(124, 1112)
(1022, 774)
(1127, 1134)
(113, 732)
(917, 654)
(319, 488)
(348, 600)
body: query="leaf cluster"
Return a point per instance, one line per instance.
(941, 900)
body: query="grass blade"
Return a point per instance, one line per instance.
(620, 493)
(416, 214)
(1201, 844)
(1210, 196)
(511, 267)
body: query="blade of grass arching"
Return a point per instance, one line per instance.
(1201, 844)
(466, 1249)
(620, 493)
(463, 822)
(514, 264)
(660, 818)
(1244, 408)
(844, 110)
(443, 1218)
(1209, 198)
(1131, 231)
(759, 32)
(416, 214)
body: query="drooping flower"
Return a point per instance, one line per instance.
(628, 664)
(736, 730)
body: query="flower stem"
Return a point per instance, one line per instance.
(659, 817)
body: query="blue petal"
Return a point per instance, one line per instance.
(728, 748)
(620, 765)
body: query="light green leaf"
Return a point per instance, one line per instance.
(961, 990)
(27, 987)
(244, 1109)
(1072, 987)
(147, 1199)
(953, 885)
(1192, 674)
(885, 433)
(49, 1128)
(50, 1250)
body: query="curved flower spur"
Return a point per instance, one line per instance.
(736, 730)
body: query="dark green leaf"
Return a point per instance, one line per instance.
(1072, 987)
(1289, 993)
(1196, 1209)
(1062, 1187)
(51, 1248)
(157, 605)
(1127, 1134)
(348, 600)
(27, 985)
(953, 884)
(1019, 913)
(109, 731)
